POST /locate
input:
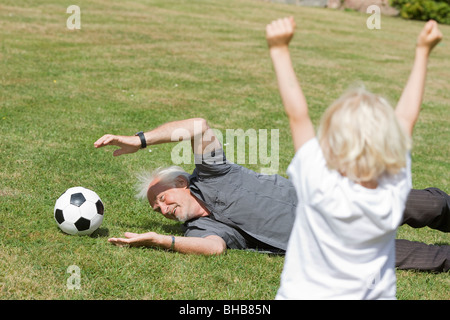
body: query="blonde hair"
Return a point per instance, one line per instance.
(165, 175)
(361, 138)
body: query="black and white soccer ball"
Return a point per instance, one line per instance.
(79, 211)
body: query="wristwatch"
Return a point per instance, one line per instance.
(142, 137)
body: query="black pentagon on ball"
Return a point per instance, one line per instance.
(82, 224)
(77, 199)
(100, 208)
(59, 216)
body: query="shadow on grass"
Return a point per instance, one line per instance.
(100, 233)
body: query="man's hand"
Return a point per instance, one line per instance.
(127, 144)
(148, 239)
(429, 37)
(280, 32)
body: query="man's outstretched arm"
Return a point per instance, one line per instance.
(195, 129)
(210, 245)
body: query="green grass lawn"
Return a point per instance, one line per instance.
(137, 64)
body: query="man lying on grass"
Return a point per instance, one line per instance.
(224, 205)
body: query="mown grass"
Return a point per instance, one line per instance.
(137, 64)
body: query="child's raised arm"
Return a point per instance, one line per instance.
(279, 33)
(408, 107)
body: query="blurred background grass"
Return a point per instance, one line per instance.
(137, 64)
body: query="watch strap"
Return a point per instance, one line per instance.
(142, 137)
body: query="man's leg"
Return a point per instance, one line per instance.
(420, 256)
(428, 207)
(425, 208)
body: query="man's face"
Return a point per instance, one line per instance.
(174, 203)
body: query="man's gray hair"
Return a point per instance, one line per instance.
(165, 175)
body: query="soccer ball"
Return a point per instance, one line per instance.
(78, 211)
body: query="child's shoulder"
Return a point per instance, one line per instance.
(308, 169)
(306, 158)
(308, 150)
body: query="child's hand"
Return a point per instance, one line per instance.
(430, 36)
(280, 32)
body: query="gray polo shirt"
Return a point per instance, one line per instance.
(248, 210)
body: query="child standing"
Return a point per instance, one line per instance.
(352, 181)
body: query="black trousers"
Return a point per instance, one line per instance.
(428, 207)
